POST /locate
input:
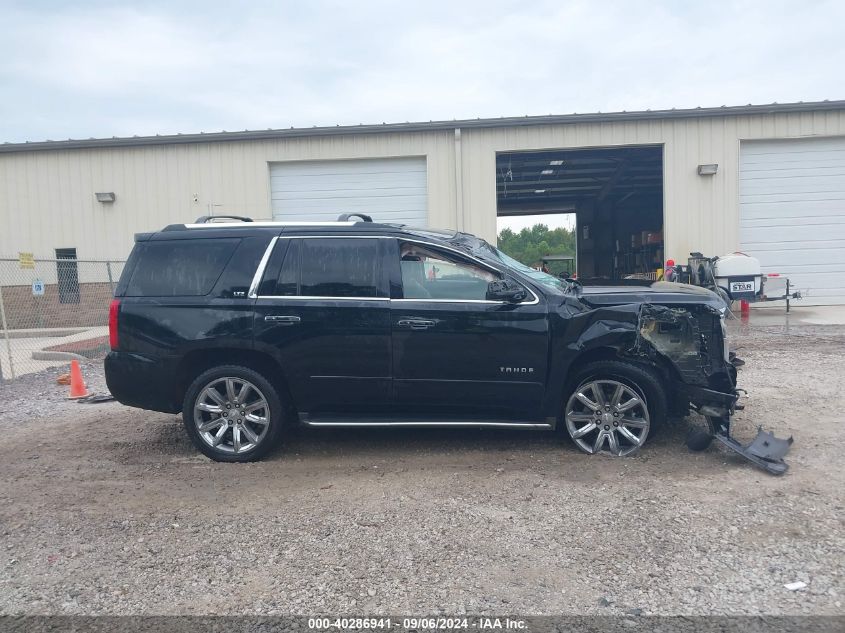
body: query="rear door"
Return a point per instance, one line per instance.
(323, 311)
(454, 352)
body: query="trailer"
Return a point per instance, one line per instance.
(734, 277)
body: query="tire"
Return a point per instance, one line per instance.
(701, 436)
(225, 429)
(699, 440)
(613, 406)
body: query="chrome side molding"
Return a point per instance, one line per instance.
(425, 424)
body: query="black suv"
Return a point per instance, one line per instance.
(246, 326)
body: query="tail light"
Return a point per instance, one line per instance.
(114, 309)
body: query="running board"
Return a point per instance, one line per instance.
(342, 421)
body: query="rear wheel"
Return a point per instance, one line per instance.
(613, 407)
(232, 414)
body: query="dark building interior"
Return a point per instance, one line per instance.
(615, 193)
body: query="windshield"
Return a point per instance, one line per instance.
(555, 284)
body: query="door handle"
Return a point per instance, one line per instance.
(282, 319)
(416, 324)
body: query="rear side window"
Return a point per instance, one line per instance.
(180, 268)
(236, 278)
(332, 267)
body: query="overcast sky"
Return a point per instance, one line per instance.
(83, 69)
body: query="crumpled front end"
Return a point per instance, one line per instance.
(688, 343)
(694, 340)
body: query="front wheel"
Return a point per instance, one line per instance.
(614, 407)
(232, 414)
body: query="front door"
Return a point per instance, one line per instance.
(325, 316)
(454, 352)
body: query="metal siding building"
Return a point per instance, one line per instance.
(47, 190)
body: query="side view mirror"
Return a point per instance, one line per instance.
(505, 290)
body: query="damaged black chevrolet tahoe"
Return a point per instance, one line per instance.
(246, 326)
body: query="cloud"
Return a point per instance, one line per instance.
(101, 69)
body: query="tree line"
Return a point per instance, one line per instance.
(530, 245)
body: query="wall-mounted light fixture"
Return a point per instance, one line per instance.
(105, 196)
(708, 170)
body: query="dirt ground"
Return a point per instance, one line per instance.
(109, 510)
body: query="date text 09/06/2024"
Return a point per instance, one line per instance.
(416, 624)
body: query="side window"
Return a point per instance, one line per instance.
(332, 267)
(236, 278)
(186, 268)
(288, 283)
(430, 274)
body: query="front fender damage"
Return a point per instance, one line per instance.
(691, 339)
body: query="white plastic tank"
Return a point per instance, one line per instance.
(740, 275)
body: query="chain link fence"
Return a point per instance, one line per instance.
(53, 310)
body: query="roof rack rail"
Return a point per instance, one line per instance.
(208, 219)
(344, 217)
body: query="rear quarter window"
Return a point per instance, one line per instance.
(236, 278)
(183, 268)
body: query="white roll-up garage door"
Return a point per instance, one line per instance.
(388, 189)
(792, 212)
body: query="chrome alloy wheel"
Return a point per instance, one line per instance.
(607, 415)
(231, 415)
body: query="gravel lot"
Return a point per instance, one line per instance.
(109, 510)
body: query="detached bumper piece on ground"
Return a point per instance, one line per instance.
(766, 451)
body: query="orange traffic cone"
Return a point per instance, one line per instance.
(77, 385)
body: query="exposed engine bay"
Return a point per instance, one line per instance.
(688, 341)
